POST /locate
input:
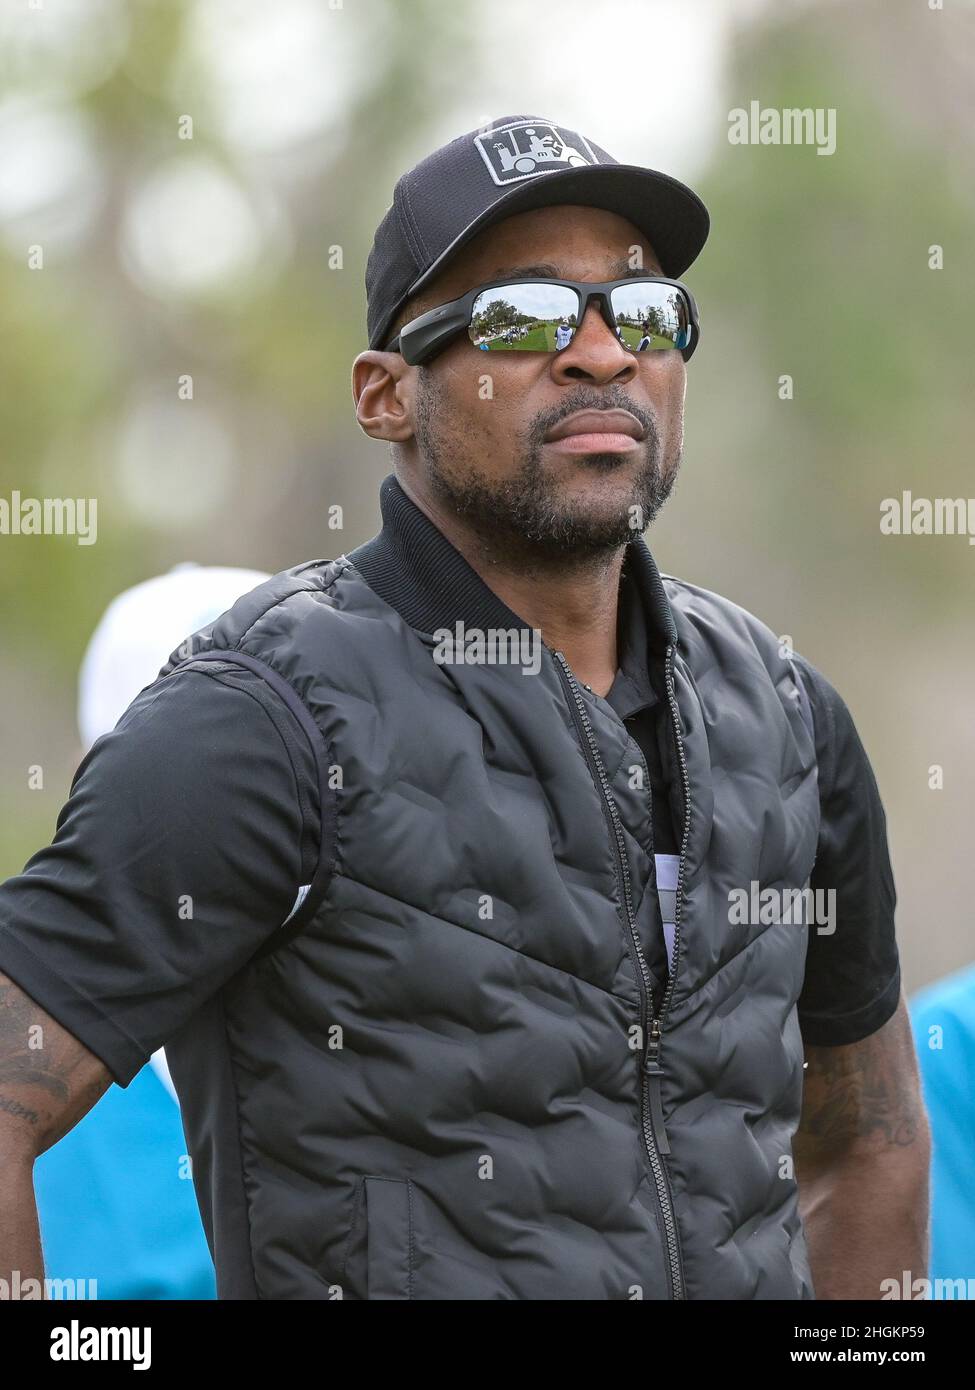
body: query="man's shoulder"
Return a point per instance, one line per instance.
(272, 607)
(712, 627)
(952, 995)
(704, 613)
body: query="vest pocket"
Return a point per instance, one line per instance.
(389, 1237)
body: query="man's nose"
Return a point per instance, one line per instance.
(595, 352)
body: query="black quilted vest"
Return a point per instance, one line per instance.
(453, 1074)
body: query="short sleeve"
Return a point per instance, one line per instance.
(187, 834)
(852, 980)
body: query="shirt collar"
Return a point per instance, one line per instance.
(413, 567)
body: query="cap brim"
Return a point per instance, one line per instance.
(667, 212)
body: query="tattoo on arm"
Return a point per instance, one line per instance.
(864, 1093)
(48, 1080)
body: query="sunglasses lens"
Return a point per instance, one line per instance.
(528, 317)
(651, 316)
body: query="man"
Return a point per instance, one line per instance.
(563, 335)
(377, 860)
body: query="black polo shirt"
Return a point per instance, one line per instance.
(639, 698)
(192, 826)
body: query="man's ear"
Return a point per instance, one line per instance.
(382, 388)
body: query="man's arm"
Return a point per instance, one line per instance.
(178, 854)
(862, 1155)
(48, 1082)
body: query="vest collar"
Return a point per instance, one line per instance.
(632, 689)
(412, 566)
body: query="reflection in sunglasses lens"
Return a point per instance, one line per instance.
(529, 317)
(535, 317)
(650, 316)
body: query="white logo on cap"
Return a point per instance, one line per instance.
(522, 149)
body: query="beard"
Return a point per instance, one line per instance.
(526, 520)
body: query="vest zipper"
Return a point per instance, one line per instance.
(651, 1110)
(685, 832)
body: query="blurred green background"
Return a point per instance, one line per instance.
(237, 257)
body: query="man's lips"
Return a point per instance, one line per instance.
(589, 431)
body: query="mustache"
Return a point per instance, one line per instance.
(591, 399)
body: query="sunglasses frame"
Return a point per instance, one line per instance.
(423, 337)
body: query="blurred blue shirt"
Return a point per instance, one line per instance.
(943, 1017)
(112, 1203)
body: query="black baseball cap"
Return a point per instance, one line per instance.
(517, 163)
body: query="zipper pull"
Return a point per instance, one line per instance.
(653, 1045)
(654, 1073)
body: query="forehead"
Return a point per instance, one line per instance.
(568, 242)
